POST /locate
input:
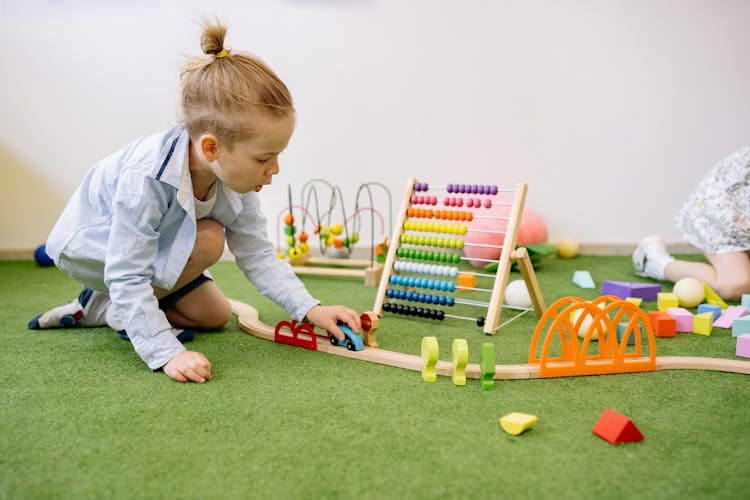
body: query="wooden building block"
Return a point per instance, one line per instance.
(516, 423)
(713, 297)
(430, 356)
(624, 289)
(466, 280)
(716, 310)
(487, 365)
(729, 315)
(616, 428)
(665, 300)
(740, 326)
(459, 357)
(583, 279)
(683, 317)
(662, 324)
(621, 331)
(703, 323)
(743, 346)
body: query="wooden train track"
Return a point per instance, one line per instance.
(249, 321)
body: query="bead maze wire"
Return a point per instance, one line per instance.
(416, 234)
(335, 237)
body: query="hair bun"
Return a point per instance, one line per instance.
(212, 38)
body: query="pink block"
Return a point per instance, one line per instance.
(730, 314)
(743, 346)
(683, 318)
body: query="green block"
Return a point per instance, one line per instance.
(487, 365)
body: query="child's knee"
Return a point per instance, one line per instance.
(209, 242)
(732, 288)
(220, 315)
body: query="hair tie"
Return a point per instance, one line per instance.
(221, 54)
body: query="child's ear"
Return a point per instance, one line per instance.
(209, 147)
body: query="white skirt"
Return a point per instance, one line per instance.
(716, 216)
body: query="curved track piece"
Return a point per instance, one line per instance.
(249, 321)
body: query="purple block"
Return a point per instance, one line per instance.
(624, 289)
(743, 346)
(617, 288)
(645, 291)
(729, 315)
(683, 318)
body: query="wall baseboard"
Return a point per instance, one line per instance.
(364, 253)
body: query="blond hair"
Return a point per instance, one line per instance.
(221, 86)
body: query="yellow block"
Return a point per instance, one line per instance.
(665, 300)
(702, 323)
(430, 355)
(713, 297)
(635, 300)
(515, 423)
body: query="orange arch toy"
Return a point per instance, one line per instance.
(569, 315)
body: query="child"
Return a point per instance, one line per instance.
(147, 221)
(715, 219)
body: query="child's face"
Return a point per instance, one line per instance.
(251, 164)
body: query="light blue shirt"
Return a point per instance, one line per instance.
(131, 224)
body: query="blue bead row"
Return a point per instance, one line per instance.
(427, 298)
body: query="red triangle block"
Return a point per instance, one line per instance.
(616, 428)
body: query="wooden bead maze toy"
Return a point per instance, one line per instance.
(336, 237)
(416, 235)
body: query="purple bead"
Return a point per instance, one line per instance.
(493, 190)
(481, 190)
(449, 188)
(474, 189)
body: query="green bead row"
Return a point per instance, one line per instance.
(419, 254)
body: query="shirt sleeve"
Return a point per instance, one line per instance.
(137, 210)
(247, 238)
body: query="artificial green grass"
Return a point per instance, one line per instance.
(83, 417)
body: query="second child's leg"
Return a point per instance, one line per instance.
(728, 274)
(203, 306)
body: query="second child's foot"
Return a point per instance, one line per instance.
(651, 257)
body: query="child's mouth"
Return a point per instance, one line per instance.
(258, 188)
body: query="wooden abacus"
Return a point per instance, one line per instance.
(408, 248)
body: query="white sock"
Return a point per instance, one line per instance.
(656, 264)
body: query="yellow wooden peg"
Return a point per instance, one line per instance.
(703, 323)
(666, 300)
(459, 357)
(430, 356)
(515, 423)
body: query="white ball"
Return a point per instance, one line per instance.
(517, 295)
(689, 291)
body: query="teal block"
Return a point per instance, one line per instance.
(745, 301)
(740, 326)
(713, 308)
(621, 331)
(583, 279)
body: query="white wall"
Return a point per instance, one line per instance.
(610, 110)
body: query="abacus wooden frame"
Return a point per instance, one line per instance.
(507, 254)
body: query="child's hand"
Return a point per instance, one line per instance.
(188, 366)
(326, 317)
